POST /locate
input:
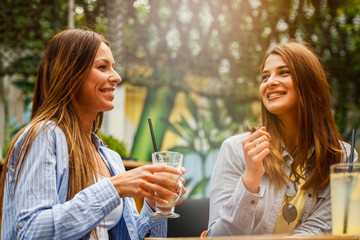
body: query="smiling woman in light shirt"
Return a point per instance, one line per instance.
(59, 180)
(275, 179)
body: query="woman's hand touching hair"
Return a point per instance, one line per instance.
(256, 148)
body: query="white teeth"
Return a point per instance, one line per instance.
(110, 91)
(274, 95)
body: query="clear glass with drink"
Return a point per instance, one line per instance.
(345, 198)
(173, 159)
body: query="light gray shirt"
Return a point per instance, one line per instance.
(236, 211)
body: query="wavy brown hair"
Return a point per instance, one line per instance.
(315, 119)
(64, 67)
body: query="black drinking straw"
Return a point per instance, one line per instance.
(351, 160)
(152, 134)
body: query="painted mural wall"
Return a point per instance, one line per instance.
(191, 124)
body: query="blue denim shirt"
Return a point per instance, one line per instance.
(39, 209)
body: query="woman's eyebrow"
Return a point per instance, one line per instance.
(282, 66)
(279, 67)
(105, 60)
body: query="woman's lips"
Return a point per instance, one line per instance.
(108, 91)
(274, 95)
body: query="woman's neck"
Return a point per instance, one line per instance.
(86, 120)
(290, 131)
(86, 123)
(291, 138)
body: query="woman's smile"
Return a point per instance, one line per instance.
(109, 92)
(275, 95)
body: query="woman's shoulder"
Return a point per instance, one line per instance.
(50, 126)
(41, 134)
(235, 142)
(44, 128)
(347, 148)
(345, 145)
(237, 138)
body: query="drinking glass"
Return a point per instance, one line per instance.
(345, 198)
(173, 159)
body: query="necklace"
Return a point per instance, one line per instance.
(289, 211)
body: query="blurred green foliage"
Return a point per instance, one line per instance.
(114, 144)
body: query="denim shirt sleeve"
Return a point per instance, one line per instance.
(156, 225)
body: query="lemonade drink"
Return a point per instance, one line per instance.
(345, 189)
(171, 200)
(173, 159)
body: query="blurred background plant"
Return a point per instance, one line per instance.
(114, 144)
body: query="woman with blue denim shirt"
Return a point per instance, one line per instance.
(276, 179)
(59, 180)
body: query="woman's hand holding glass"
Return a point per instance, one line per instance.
(152, 203)
(256, 148)
(143, 182)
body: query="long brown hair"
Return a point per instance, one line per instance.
(315, 119)
(64, 67)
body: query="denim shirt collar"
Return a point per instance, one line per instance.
(96, 141)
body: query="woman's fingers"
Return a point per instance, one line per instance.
(165, 179)
(164, 168)
(259, 139)
(256, 148)
(167, 184)
(158, 192)
(182, 193)
(150, 181)
(259, 135)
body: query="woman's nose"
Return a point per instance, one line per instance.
(115, 78)
(272, 81)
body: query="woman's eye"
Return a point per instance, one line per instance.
(102, 67)
(264, 78)
(285, 72)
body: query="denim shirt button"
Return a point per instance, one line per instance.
(310, 195)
